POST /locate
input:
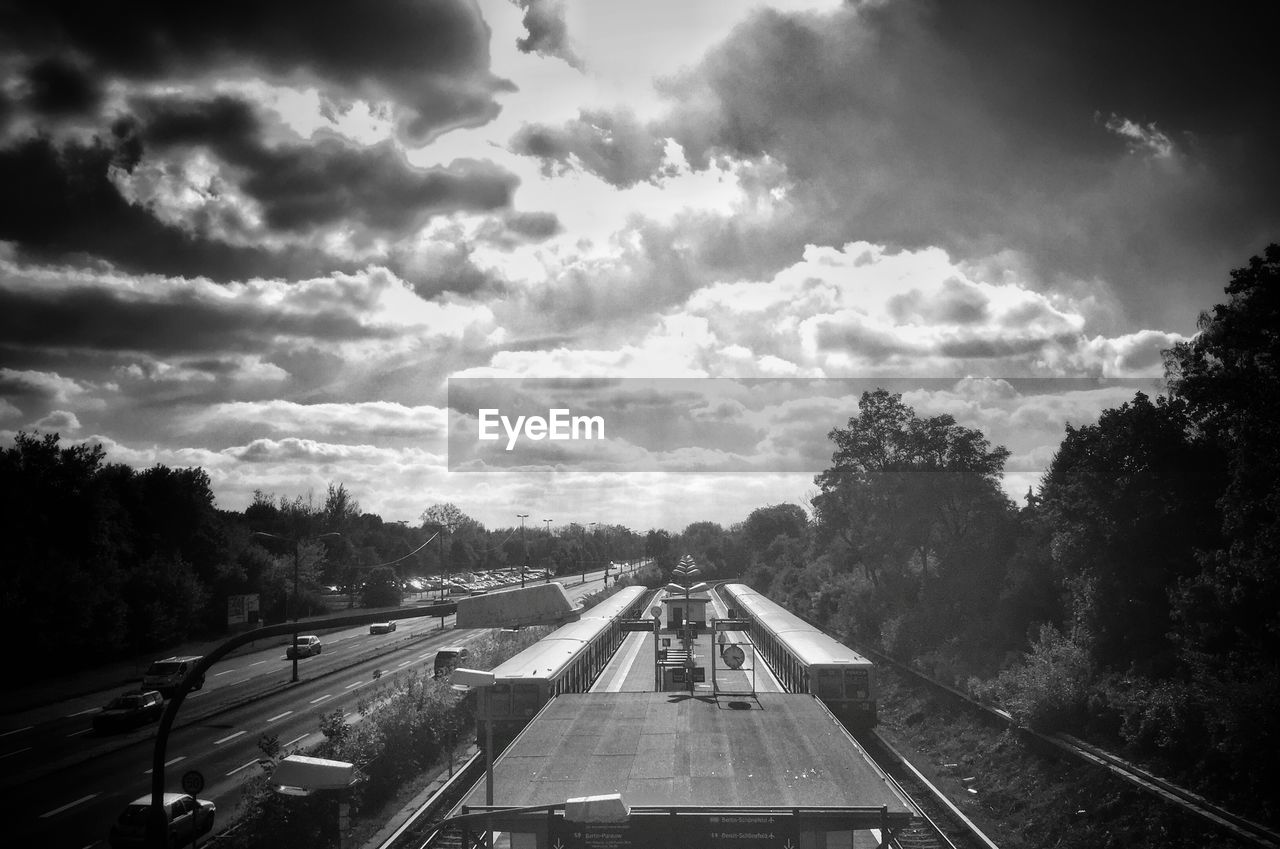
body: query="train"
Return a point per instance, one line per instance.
(805, 659)
(567, 660)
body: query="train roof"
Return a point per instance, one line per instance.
(553, 652)
(809, 643)
(616, 604)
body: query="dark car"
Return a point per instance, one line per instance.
(188, 818)
(129, 710)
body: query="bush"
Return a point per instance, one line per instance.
(1049, 689)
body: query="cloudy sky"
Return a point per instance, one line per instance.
(260, 238)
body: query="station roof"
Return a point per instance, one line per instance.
(776, 749)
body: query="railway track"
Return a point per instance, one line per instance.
(941, 825)
(1239, 827)
(422, 830)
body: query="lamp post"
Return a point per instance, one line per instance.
(524, 565)
(547, 523)
(478, 679)
(297, 543)
(592, 525)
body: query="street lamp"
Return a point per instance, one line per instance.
(525, 564)
(592, 525)
(297, 543)
(478, 679)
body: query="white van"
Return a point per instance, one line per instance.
(165, 675)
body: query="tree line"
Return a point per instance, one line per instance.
(1135, 597)
(103, 561)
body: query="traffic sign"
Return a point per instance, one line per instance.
(192, 782)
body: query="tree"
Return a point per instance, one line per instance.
(1130, 501)
(903, 488)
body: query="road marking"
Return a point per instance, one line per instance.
(197, 694)
(403, 665)
(81, 731)
(279, 716)
(321, 699)
(243, 766)
(67, 806)
(228, 737)
(17, 731)
(296, 739)
(353, 686)
(83, 712)
(256, 662)
(15, 752)
(169, 763)
(226, 672)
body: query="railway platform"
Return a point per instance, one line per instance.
(690, 769)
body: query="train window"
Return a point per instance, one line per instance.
(524, 699)
(829, 684)
(500, 700)
(856, 683)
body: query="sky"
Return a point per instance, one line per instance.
(263, 238)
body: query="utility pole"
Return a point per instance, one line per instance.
(524, 565)
(297, 544)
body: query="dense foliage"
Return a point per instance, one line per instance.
(104, 561)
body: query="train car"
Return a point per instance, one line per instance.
(806, 660)
(567, 660)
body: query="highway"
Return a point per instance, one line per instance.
(64, 785)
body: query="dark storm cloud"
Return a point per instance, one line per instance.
(548, 34)
(97, 319)
(614, 146)
(431, 58)
(301, 186)
(60, 205)
(1131, 143)
(58, 87)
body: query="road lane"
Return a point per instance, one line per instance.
(84, 801)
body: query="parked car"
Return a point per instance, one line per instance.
(306, 646)
(128, 710)
(188, 818)
(382, 627)
(165, 675)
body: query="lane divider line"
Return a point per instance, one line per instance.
(17, 731)
(321, 699)
(279, 716)
(243, 766)
(170, 763)
(67, 806)
(15, 752)
(228, 737)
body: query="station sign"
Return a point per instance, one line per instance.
(733, 625)
(645, 625)
(678, 675)
(686, 831)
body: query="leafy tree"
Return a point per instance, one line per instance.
(1130, 500)
(382, 588)
(902, 488)
(766, 524)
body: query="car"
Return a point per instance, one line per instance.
(128, 710)
(165, 675)
(306, 646)
(448, 659)
(188, 818)
(382, 627)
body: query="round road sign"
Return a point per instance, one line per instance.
(733, 657)
(192, 782)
